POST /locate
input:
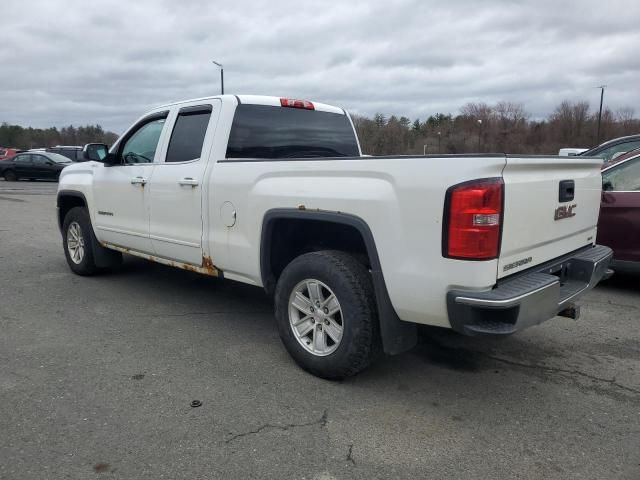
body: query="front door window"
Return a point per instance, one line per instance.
(141, 146)
(623, 178)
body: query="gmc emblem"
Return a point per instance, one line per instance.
(564, 211)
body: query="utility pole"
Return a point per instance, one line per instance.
(601, 87)
(479, 132)
(221, 76)
(424, 149)
(439, 142)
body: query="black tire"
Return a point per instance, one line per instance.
(10, 176)
(80, 216)
(352, 285)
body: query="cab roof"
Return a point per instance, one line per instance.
(260, 100)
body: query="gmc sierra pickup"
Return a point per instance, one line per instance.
(356, 250)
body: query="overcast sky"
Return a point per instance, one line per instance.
(105, 61)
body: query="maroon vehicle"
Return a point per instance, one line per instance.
(7, 153)
(619, 224)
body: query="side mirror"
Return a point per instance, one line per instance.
(607, 186)
(95, 151)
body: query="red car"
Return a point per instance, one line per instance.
(619, 224)
(7, 153)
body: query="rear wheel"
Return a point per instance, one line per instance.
(10, 176)
(77, 240)
(326, 314)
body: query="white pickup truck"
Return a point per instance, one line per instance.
(356, 250)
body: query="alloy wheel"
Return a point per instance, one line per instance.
(316, 317)
(75, 243)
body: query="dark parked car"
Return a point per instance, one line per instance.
(73, 153)
(30, 165)
(608, 150)
(619, 224)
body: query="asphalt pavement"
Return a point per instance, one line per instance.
(97, 376)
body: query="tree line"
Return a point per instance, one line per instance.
(503, 127)
(479, 127)
(25, 138)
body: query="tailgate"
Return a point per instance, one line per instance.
(543, 218)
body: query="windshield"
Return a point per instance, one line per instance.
(609, 152)
(56, 157)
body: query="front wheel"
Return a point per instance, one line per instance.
(326, 314)
(10, 176)
(77, 241)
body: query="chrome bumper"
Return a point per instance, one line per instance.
(531, 297)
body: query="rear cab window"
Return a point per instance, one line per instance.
(274, 132)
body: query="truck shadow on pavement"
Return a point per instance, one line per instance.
(623, 281)
(214, 304)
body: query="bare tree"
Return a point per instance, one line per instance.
(625, 117)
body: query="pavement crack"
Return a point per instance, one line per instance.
(11, 200)
(322, 422)
(350, 455)
(610, 381)
(614, 304)
(188, 314)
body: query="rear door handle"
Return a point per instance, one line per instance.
(139, 181)
(188, 181)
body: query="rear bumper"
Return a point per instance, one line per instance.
(529, 298)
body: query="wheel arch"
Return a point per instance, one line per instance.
(69, 199)
(66, 200)
(397, 335)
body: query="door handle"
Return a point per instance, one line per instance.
(188, 181)
(139, 181)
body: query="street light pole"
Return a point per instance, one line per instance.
(479, 132)
(439, 142)
(424, 149)
(221, 76)
(601, 87)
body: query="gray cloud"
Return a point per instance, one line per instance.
(106, 61)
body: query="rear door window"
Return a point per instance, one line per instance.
(70, 154)
(23, 159)
(188, 134)
(263, 131)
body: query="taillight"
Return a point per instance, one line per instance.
(472, 220)
(293, 103)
